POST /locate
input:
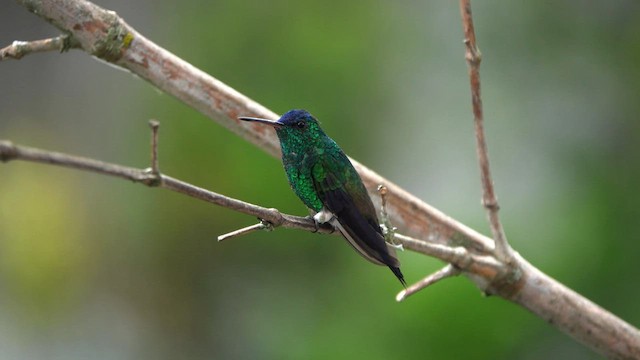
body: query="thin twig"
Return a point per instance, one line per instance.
(387, 227)
(18, 49)
(446, 272)
(155, 125)
(10, 151)
(485, 266)
(262, 225)
(489, 200)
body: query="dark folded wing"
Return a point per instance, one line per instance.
(342, 192)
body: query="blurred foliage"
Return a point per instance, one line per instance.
(94, 267)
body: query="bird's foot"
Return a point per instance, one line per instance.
(323, 216)
(315, 223)
(389, 236)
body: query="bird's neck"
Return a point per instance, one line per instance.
(299, 146)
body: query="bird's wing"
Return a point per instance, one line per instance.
(341, 191)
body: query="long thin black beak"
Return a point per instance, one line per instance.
(260, 120)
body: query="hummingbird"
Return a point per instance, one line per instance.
(322, 176)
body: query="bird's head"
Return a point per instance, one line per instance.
(296, 129)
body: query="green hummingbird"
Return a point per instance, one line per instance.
(324, 179)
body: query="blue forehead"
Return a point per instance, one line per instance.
(293, 116)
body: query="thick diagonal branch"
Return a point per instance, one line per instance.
(103, 34)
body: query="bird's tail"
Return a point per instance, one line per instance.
(398, 274)
(388, 257)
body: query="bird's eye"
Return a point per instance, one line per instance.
(301, 124)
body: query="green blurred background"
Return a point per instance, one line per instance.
(96, 267)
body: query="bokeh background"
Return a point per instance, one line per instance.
(100, 268)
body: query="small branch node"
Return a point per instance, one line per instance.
(7, 151)
(461, 257)
(491, 204)
(446, 272)
(383, 192)
(473, 55)
(154, 124)
(150, 178)
(267, 225)
(277, 218)
(68, 43)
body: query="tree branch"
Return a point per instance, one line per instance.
(262, 225)
(10, 151)
(446, 272)
(489, 200)
(480, 265)
(103, 34)
(530, 288)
